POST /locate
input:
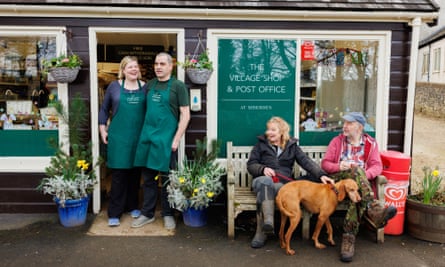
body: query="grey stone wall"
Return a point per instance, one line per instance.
(430, 100)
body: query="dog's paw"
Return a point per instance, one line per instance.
(290, 252)
(320, 246)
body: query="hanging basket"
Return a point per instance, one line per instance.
(64, 74)
(199, 76)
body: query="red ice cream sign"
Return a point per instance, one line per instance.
(307, 50)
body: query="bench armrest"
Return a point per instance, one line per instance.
(230, 174)
(380, 182)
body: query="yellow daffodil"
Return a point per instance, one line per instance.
(435, 173)
(203, 180)
(195, 190)
(210, 194)
(181, 180)
(82, 164)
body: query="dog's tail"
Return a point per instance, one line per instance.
(282, 205)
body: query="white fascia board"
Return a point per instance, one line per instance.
(210, 14)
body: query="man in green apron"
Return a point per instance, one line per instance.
(166, 119)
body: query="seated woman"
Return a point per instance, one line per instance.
(354, 149)
(271, 163)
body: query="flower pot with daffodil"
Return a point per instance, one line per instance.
(425, 211)
(198, 181)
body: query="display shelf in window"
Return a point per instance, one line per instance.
(307, 101)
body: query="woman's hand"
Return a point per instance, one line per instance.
(326, 180)
(103, 133)
(269, 172)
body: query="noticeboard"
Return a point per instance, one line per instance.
(256, 80)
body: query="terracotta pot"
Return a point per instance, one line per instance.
(425, 222)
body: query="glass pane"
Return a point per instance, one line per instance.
(26, 96)
(337, 76)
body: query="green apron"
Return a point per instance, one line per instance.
(125, 128)
(155, 143)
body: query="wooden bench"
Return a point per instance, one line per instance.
(241, 198)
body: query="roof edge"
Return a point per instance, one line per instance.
(209, 14)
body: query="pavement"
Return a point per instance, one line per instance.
(40, 240)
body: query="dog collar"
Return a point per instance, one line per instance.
(334, 189)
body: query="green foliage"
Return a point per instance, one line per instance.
(203, 62)
(71, 175)
(73, 61)
(430, 183)
(198, 181)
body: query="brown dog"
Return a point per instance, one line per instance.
(316, 198)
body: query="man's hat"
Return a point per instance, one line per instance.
(355, 116)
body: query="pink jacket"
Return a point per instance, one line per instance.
(373, 163)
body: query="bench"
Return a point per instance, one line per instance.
(241, 198)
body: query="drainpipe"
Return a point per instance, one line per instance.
(415, 23)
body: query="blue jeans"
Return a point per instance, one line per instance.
(259, 182)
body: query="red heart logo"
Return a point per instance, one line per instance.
(396, 192)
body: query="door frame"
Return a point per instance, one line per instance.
(94, 90)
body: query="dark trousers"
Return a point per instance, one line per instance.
(124, 195)
(153, 178)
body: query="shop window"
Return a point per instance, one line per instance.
(27, 118)
(425, 63)
(337, 76)
(436, 59)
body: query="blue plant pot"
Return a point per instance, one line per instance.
(74, 213)
(194, 217)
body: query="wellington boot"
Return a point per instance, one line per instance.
(347, 247)
(268, 208)
(260, 238)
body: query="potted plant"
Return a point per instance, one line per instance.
(196, 183)
(63, 69)
(425, 211)
(198, 69)
(70, 175)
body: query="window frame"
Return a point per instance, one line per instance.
(437, 51)
(425, 63)
(36, 164)
(384, 58)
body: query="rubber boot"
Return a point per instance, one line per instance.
(260, 238)
(347, 247)
(268, 208)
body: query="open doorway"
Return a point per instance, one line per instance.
(107, 47)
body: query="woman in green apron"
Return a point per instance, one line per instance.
(125, 99)
(166, 119)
